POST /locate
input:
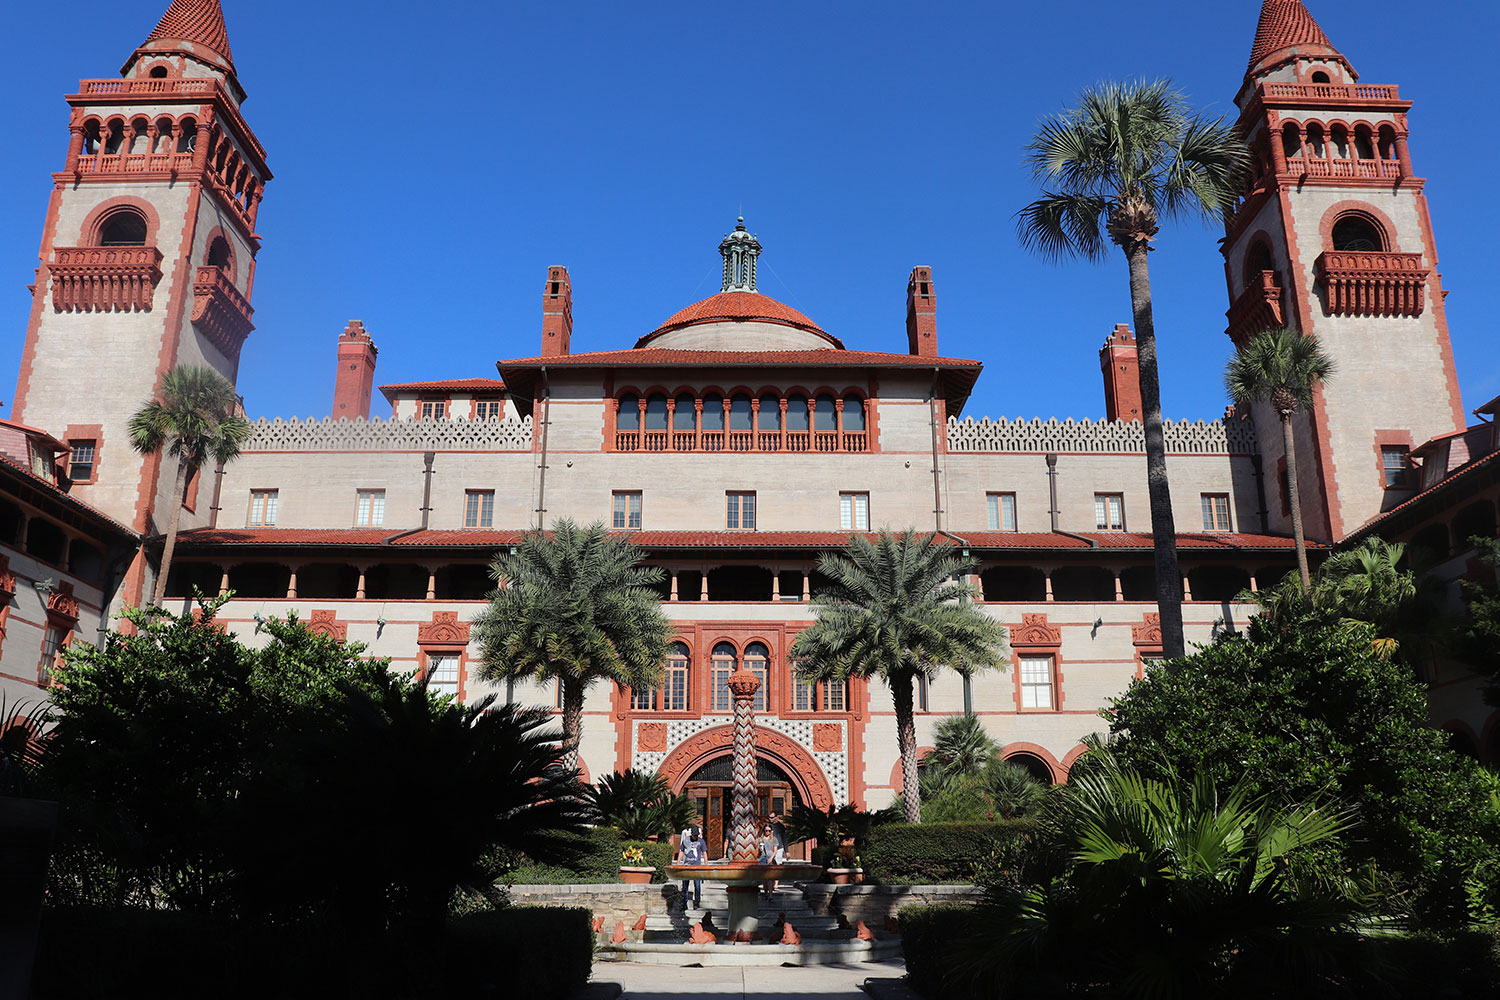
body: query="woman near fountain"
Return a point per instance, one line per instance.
(692, 849)
(770, 852)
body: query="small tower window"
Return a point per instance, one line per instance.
(1291, 141)
(1355, 234)
(1320, 77)
(218, 252)
(158, 72)
(125, 228)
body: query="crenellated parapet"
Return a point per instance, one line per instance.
(1184, 437)
(508, 434)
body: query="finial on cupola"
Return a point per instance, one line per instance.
(739, 250)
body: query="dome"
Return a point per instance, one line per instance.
(740, 321)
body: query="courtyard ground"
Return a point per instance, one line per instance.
(835, 982)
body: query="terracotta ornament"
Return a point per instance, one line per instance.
(640, 924)
(598, 924)
(789, 935)
(864, 933)
(618, 937)
(700, 936)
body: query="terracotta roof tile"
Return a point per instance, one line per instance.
(1283, 24)
(737, 307)
(1369, 527)
(663, 357)
(452, 384)
(66, 499)
(198, 21)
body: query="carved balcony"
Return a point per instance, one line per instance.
(1316, 166)
(220, 312)
(134, 163)
(104, 279)
(1258, 308)
(1370, 283)
(1332, 91)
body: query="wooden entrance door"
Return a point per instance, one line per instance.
(713, 801)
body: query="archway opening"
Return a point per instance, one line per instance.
(1034, 765)
(711, 785)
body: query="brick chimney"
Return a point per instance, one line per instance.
(1122, 375)
(557, 313)
(356, 373)
(921, 313)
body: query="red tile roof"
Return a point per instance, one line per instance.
(738, 307)
(1370, 527)
(198, 21)
(452, 384)
(21, 472)
(1283, 24)
(487, 538)
(665, 357)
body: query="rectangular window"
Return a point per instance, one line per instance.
(479, 508)
(369, 508)
(919, 696)
(52, 644)
(263, 508)
(1036, 682)
(854, 511)
(1394, 461)
(1109, 511)
(432, 409)
(442, 673)
(804, 693)
(675, 692)
(1002, 511)
(740, 511)
(722, 667)
(627, 512)
(835, 696)
(643, 699)
(489, 409)
(81, 462)
(1215, 511)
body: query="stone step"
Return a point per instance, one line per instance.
(670, 935)
(799, 921)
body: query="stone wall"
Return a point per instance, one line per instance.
(611, 900)
(874, 903)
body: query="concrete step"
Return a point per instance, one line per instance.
(802, 922)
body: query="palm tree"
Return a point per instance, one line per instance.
(1111, 169)
(894, 608)
(574, 605)
(960, 745)
(196, 415)
(1281, 367)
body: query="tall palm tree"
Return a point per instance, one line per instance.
(1128, 156)
(894, 608)
(195, 416)
(574, 605)
(1281, 367)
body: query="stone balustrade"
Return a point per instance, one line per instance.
(1183, 437)
(495, 434)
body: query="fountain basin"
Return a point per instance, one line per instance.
(742, 880)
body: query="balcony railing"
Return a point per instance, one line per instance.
(151, 86)
(133, 163)
(742, 441)
(1314, 166)
(104, 279)
(1333, 91)
(1369, 283)
(220, 312)
(1257, 308)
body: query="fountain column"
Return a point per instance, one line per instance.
(744, 906)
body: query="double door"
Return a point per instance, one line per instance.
(713, 801)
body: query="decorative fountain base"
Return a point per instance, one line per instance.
(742, 880)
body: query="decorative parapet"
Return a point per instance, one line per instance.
(510, 434)
(220, 312)
(1370, 283)
(1125, 437)
(1258, 308)
(1332, 91)
(104, 279)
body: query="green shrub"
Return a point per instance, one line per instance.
(498, 953)
(927, 937)
(1424, 965)
(595, 858)
(937, 853)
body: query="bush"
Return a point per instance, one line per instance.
(937, 853)
(595, 857)
(172, 955)
(928, 934)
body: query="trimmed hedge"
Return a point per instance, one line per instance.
(927, 937)
(593, 857)
(124, 954)
(939, 853)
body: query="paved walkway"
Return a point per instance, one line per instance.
(836, 982)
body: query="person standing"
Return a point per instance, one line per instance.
(769, 853)
(778, 831)
(692, 849)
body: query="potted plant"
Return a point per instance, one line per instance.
(633, 867)
(844, 867)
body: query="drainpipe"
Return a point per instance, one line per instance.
(427, 459)
(541, 485)
(1055, 511)
(937, 472)
(213, 510)
(1260, 493)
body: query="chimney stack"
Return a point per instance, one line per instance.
(356, 373)
(557, 313)
(1122, 375)
(921, 313)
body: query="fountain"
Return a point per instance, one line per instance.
(742, 875)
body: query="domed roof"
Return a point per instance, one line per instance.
(728, 308)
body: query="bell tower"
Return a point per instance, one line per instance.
(147, 256)
(1333, 237)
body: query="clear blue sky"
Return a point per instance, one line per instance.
(432, 159)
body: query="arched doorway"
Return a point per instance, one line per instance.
(711, 789)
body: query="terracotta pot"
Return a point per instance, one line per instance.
(631, 875)
(840, 876)
(859, 875)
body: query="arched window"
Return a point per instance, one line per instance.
(114, 137)
(187, 136)
(1356, 233)
(1291, 141)
(91, 138)
(158, 72)
(629, 417)
(739, 413)
(1340, 138)
(1315, 139)
(684, 417)
(656, 412)
(770, 413)
(825, 418)
(724, 662)
(854, 413)
(1364, 148)
(1319, 76)
(139, 139)
(758, 662)
(124, 227)
(676, 681)
(713, 413)
(1387, 143)
(796, 413)
(218, 252)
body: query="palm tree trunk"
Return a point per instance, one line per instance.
(178, 494)
(572, 691)
(1294, 500)
(1163, 527)
(906, 739)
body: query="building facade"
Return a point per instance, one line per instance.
(736, 441)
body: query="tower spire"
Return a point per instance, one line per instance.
(1287, 31)
(739, 250)
(192, 28)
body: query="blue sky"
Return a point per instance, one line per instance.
(433, 159)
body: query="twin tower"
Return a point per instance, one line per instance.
(149, 248)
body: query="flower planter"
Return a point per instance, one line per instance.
(634, 875)
(843, 876)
